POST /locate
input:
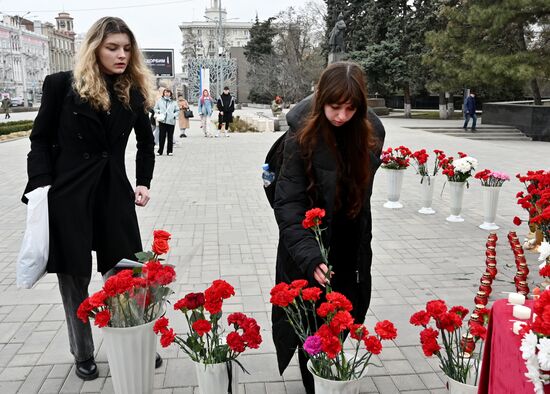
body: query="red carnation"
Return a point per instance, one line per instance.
(235, 342)
(373, 344)
(459, 310)
(430, 347)
(160, 325)
(386, 330)
(190, 301)
(341, 321)
(420, 318)
(517, 221)
(449, 321)
(325, 309)
(299, 283)
(98, 299)
(478, 331)
(102, 318)
(313, 217)
(330, 343)
(358, 331)
(436, 308)
(237, 318)
(545, 271)
(168, 336)
(201, 326)
(311, 294)
(340, 301)
(83, 310)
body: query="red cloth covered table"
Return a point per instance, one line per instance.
(503, 370)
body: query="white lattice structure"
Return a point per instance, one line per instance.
(227, 70)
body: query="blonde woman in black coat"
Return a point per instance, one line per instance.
(78, 144)
(331, 155)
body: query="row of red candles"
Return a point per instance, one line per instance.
(485, 288)
(520, 279)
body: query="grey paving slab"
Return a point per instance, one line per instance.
(209, 196)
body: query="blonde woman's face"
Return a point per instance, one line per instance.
(114, 53)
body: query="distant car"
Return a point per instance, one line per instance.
(17, 102)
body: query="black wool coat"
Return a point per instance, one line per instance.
(298, 253)
(80, 152)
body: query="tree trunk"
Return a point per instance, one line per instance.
(536, 92)
(450, 105)
(442, 106)
(407, 100)
(537, 99)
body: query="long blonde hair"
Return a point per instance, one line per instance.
(90, 84)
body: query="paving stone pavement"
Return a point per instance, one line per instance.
(209, 196)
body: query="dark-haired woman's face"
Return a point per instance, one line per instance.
(114, 53)
(339, 114)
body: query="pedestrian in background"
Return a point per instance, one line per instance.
(331, 155)
(183, 121)
(166, 113)
(6, 106)
(78, 146)
(206, 107)
(470, 111)
(226, 106)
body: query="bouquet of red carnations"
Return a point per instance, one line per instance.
(133, 296)
(457, 356)
(205, 342)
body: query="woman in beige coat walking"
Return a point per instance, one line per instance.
(183, 121)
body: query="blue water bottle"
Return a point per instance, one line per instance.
(267, 176)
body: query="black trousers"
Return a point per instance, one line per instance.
(226, 125)
(307, 377)
(74, 290)
(166, 130)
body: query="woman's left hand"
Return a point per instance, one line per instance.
(142, 196)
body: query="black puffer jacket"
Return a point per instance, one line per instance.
(298, 253)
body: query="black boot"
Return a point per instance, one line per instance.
(158, 361)
(86, 370)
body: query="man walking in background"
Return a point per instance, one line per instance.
(470, 111)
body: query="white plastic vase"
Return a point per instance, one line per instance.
(427, 192)
(456, 190)
(395, 182)
(326, 386)
(214, 378)
(131, 353)
(489, 195)
(455, 387)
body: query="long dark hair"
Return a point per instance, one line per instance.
(340, 83)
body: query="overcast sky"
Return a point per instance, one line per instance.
(154, 22)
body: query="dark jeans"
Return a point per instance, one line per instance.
(74, 290)
(467, 119)
(226, 125)
(166, 130)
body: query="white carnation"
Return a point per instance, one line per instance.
(528, 345)
(465, 164)
(544, 250)
(544, 353)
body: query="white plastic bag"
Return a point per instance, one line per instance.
(33, 255)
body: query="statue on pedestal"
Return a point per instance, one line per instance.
(336, 41)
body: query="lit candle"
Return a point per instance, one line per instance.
(516, 298)
(517, 326)
(521, 312)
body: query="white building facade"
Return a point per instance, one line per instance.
(209, 40)
(24, 58)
